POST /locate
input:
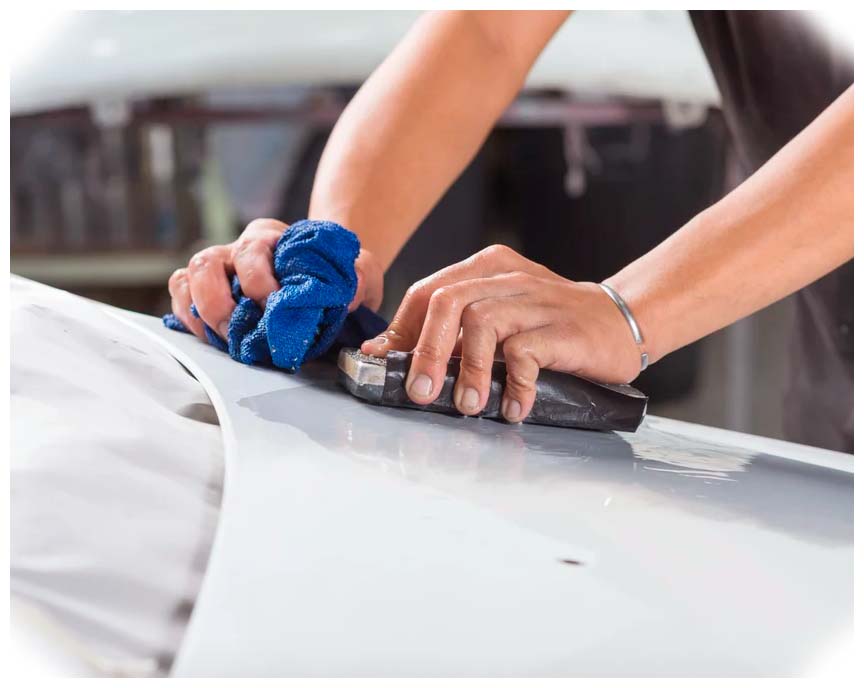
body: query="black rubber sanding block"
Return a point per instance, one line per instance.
(562, 400)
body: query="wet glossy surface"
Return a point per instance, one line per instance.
(690, 476)
(359, 540)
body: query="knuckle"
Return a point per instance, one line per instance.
(243, 245)
(176, 278)
(248, 276)
(256, 284)
(266, 224)
(476, 315)
(203, 259)
(520, 348)
(443, 297)
(429, 354)
(250, 246)
(398, 338)
(475, 365)
(519, 384)
(419, 288)
(496, 252)
(513, 348)
(257, 223)
(413, 291)
(396, 333)
(440, 294)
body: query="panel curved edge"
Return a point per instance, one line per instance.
(144, 324)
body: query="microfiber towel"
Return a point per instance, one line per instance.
(314, 264)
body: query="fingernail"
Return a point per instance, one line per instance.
(470, 399)
(421, 386)
(223, 329)
(512, 409)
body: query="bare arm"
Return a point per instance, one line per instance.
(420, 119)
(783, 228)
(786, 226)
(404, 138)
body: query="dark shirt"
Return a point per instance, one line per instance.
(777, 71)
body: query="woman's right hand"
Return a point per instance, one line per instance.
(206, 280)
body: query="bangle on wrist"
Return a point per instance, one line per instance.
(631, 323)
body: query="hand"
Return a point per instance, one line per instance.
(499, 298)
(206, 280)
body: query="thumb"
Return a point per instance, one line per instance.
(360, 294)
(370, 282)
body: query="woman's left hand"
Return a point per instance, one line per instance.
(497, 298)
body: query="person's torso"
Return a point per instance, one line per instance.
(776, 72)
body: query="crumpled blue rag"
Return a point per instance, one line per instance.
(314, 264)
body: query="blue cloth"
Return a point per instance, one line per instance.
(314, 264)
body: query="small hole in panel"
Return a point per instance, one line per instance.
(572, 562)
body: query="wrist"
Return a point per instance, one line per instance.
(630, 320)
(372, 232)
(638, 303)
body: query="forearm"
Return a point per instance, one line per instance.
(420, 118)
(783, 228)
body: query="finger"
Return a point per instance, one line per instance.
(196, 329)
(265, 226)
(442, 324)
(485, 323)
(479, 340)
(404, 331)
(370, 281)
(359, 294)
(525, 354)
(211, 291)
(253, 250)
(181, 303)
(457, 347)
(253, 264)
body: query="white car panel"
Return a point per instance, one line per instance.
(362, 541)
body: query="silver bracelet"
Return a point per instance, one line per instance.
(631, 322)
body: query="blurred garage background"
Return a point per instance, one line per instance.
(139, 137)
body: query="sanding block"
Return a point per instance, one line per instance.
(562, 400)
